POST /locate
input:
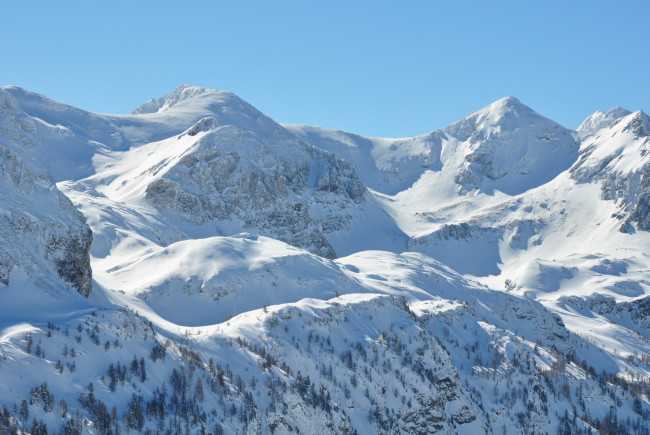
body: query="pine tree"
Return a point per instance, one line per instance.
(198, 390)
(636, 406)
(112, 375)
(135, 416)
(143, 371)
(24, 410)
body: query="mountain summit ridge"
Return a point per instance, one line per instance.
(182, 94)
(505, 114)
(600, 119)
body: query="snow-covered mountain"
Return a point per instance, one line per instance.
(244, 276)
(44, 237)
(505, 146)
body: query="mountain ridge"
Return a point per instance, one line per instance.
(248, 276)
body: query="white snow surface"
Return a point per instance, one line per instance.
(600, 119)
(445, 282)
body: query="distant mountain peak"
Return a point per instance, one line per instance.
(600, 119)
(618, 112)
(509, 147)
(512, 102)
(638, 123)
(181, 94)
(506, 114)
(502, 109)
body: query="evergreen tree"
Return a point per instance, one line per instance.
(143, 371)
(24, 410)
(135, 416)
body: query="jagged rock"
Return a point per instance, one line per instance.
(618, 159)
(512, 146)
(42, 231)
(273, 188)
(43, 234)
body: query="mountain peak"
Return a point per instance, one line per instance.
(638, 123)
(506, 114)
(504, 108)
(179, 95)
(618, 112)
(509, 147)
(508, 102)
(600, 119)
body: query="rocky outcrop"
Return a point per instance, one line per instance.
(43, 234)
(619, 159)
(273, 188)
(46, 248)
(509, 147)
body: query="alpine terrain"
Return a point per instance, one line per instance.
(196, 267)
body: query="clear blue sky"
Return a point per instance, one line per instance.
(380, 68)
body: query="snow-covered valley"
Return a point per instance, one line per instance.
(196, 267)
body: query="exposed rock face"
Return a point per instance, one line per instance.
(43, 234)
(72, 259)
(509, 147)
(274, 188)
(635, 314)
(619, 158)
(37, 237)
(385, 165)
(505, 146)
(640, 312)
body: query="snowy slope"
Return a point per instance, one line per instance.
(617, 157)
(385, 165)
(45, 239)
(423, 351)
(206, 281)
(600, 119)
(527, 206)
(209, 164)
(505, 147)
(493, 278)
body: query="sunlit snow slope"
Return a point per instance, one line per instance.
(521, 203)
(492, 276)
